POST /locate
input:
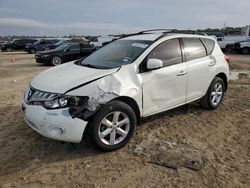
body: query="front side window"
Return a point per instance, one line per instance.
(42, 43)
(169, 52)
(194, 48)
(74, 47)
(116, 54)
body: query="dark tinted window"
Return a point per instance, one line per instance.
(169, 52)
(86, 45)
(194, 48)
(209, 44)
(74, 47)
(42, 42)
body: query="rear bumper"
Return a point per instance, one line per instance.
(55, 124)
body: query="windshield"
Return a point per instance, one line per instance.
(116, 54)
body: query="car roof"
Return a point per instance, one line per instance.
(156, 36)
(150, 37)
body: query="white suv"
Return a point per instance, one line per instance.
(106, 95)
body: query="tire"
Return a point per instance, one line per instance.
(32, 51)
(228, 49)
(214, 95)
(244, 50)
(9, 49)
(112, 126)
(56, 60)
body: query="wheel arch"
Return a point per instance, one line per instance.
(133, 104)
(223, 76)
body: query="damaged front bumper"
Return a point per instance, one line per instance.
(56, 124)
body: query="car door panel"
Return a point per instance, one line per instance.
(199, 66)
(199, 71)
(164, 88)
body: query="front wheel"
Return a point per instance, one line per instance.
(56, 60)
(112, 126)
(214, 94)
(244, 51)
(9, 50)
(32, 51)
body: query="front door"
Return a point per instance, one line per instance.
(166, 87)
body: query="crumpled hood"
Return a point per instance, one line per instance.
(64, 77)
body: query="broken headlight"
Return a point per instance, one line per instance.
(63, 102)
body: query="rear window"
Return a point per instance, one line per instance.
(209, 44)
(194, 48)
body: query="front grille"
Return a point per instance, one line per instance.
(33, 95)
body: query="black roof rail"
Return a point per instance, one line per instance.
(152, 30)
(164, 32)
(168, 31)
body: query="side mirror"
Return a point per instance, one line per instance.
(67, 49)
(154, 64)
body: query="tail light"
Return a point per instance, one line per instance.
(227, 59)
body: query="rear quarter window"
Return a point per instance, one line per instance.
(194, 48)
(209, 44)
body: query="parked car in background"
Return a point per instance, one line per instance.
(102, 41)
(53, 46)
(65, 52)
(242, 46)
(40, 45)
(18, 44)
(105, 95)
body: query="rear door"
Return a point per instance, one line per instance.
(86, 49)
(72, 52)
(166, 87)
(199, 66)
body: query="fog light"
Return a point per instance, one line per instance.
(56, 131)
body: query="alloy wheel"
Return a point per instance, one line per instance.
(114, 128)
(57, 61)
(216, 94)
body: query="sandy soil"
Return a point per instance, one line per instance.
(185, 147)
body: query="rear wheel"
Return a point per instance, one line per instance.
(214, 95)
(112, 126)
(56, 60)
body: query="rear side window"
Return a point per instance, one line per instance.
(169, 52)
(74, 47)
(209, 44)
(194, 48)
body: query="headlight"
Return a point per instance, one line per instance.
(63, 102)
(52, 104)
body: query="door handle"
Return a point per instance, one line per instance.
(181, 73)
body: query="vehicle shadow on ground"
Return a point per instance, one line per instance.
(20, 145)
(191, 108)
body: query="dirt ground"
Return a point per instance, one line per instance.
(216, 142)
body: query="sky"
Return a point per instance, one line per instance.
(94, 17)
